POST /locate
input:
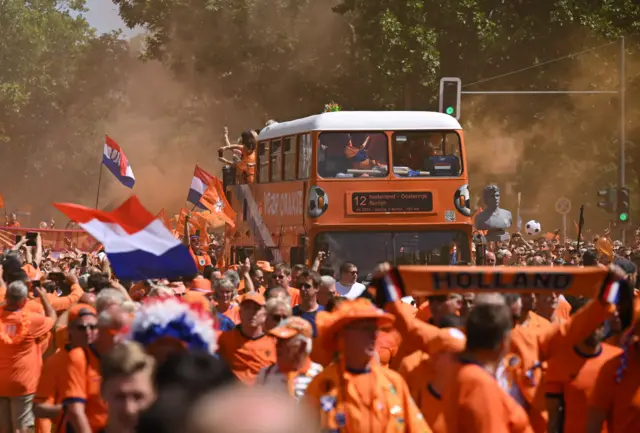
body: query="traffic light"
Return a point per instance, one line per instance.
(622, 204)
(450, 90)
(609, 202)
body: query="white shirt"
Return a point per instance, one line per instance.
(350, 292)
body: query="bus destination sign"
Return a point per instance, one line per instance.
(391, 202)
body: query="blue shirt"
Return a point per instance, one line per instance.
(308, 316)
(224, 322)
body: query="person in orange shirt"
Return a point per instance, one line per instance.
(81, 331)
(247, 349)
(472, 399)
(282, 278)
(12, 221)
(293, 370)
(200, 257)
(20, 355)
(247, 144)
(223, 294)
(570, 380)
(420, 371)
(355, 394)
(616, 395)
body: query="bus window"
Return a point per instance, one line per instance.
(355, 154)
(276, 161)
(304, 156)
(426, 154)
(289, 145)
(263, 162)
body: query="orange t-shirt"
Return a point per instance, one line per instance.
(80, 383)
(374, 401)
(563, 310)
(201, 261)
(294, 294)
(21, 362)
(570, 376)
(621, 401)
(418, 371)
(473, 402)
(49, 388)
(233, 313)
(246, 356)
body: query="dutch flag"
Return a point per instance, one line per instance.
(115, 160)
(138, 245)
(201, 180)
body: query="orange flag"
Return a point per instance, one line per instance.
(216, 202)
(180, 223)
(162, 216)
(1, 202)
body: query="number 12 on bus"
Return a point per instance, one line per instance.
(377, 186)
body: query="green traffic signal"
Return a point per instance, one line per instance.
(449, 111)
(624, 217)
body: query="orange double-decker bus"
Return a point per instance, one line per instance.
(364, 187)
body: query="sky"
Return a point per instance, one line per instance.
(103, 15)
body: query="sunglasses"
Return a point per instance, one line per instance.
(86, 327)
(306, 286)
(278, 317)
(278, 277)
(352, 272)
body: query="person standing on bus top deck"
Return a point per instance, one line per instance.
(247, 144)
(348, 285)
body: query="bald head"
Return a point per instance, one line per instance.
(88, 298)
(489, 298)
(225, 411)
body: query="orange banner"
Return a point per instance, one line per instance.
(435, 280)
(51, 239)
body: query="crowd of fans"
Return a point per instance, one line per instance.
(262, 347)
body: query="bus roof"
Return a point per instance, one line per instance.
(363, 121)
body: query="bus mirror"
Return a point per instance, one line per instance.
(298, 255)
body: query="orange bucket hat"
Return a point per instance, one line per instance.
(347, 313)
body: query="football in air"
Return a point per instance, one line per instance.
(533, 228)
(318, 201)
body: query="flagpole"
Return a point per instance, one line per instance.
(99, 181)
(580, 224)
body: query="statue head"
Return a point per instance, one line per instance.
(491, 196)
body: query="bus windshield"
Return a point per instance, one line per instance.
(426, 154)
(352, 154)
(366, 249)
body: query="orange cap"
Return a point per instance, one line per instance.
(253, 297)
(201, 285)
(264, 266)
(292, 327)
(351, 311)
(80, 310)
(197, 299)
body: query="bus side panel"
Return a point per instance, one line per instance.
(269, 217)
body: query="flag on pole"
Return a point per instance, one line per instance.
(138, 245)
(115, 160)
(199, 183)
(216, 202)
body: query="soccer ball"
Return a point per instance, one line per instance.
(533, 228)
(461, 200)
(318, 201)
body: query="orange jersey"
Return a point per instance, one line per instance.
(535, 321)
(294, 294)
(570, 377)
(246, 356)
(21, 361)
(374, 401)
(80, 383)
(473, 402)
(563, 310)
(418, 371)
(233, 313)
(531, 347)
(620, 401)
(49, 387)
(201, 261)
